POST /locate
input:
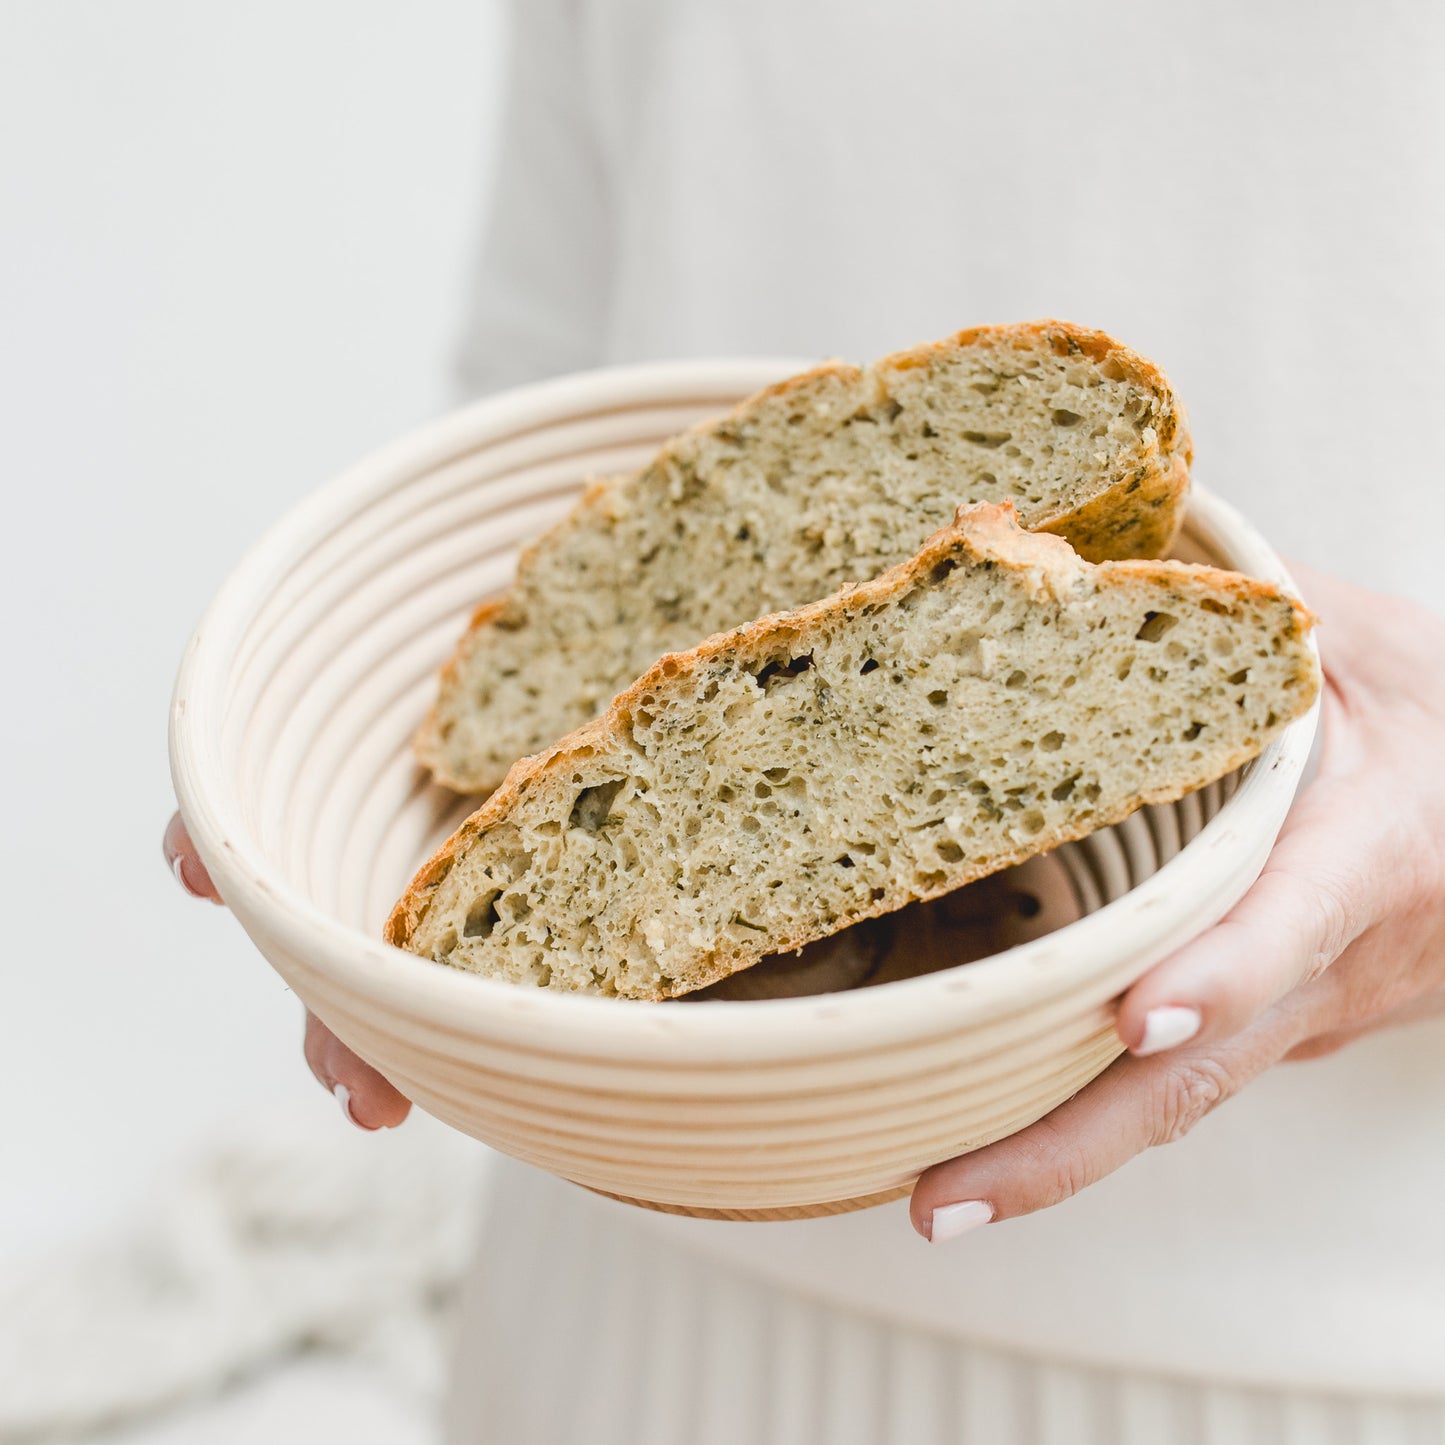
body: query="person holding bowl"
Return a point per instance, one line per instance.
(1255, 197)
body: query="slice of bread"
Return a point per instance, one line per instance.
(981, 703)
(828, 478)
(985, 917)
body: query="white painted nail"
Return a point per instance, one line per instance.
(343, 1097)
(1167, 1027)
(951, 1220)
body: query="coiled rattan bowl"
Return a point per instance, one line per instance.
(290, 750)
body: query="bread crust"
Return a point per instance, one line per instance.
(1138, 517)
(983, 532)
(428, 739)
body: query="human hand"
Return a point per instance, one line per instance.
(1343, 933)
(366, 1098)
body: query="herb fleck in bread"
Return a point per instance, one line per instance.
(828, 478)
(981, 703)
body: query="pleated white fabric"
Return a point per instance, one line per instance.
(581, 1326)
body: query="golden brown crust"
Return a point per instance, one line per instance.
(831, 370)
(429, 738)
(1126, 521)
(982, 531)
(1138, 517)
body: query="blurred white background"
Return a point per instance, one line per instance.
(233, 243)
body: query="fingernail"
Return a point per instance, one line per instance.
(1167, 1027)
(343, 1097)
(951, 1220)
(178, 867)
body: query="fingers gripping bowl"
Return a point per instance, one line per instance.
(291, 753)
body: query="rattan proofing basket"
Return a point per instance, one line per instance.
(290, 750)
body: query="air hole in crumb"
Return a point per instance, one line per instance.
(1273, 718)
(1062, 790)
(762, 790)
(726, 794)
(482, 916)
(1154, 626)
(783, 671)
(751, 825)
(949, 851)
(1016, 678)
(1063, 417)
(938, 697)
(1125, 668)
(1238, 679)
(843, 861)
(870, 666)
(875, 895)
(1051, 742)
(928, 430)
(942, 569)
(775, 775)
(990, 439)
(1193, 731)
(1033, 822)
(593, 804)
(1210, 605)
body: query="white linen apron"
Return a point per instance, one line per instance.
(1251, 192)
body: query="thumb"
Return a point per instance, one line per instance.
(1134, 1105)
(1329, 879)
